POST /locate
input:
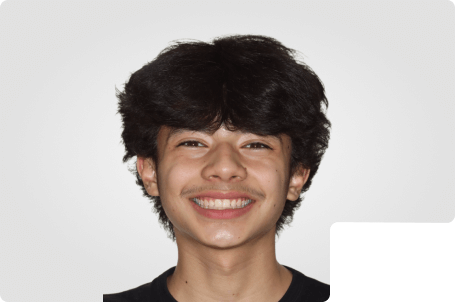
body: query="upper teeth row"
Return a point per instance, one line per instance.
(221, 204)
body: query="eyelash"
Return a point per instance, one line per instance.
(257, 143)
(185, 143)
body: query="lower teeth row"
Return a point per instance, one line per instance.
(212, 204)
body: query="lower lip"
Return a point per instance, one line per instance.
(222, 214)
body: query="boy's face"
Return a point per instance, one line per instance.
(206, 167)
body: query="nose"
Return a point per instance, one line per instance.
(224, 165)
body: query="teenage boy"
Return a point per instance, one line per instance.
(227, 135)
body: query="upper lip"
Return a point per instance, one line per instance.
(220, 195)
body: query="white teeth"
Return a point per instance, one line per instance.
(226, 203)
(233, 203)
(218, 203)
(221, 204)
(238, 203)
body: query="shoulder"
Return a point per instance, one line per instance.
(304, 288)
(140, 293)
(152, 291)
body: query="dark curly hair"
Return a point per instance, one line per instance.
(244, 82)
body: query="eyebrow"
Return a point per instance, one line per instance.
(177, 131)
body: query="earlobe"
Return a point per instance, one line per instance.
(297, 182)
(146, 169)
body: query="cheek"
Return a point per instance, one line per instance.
(270, 174)
(173, 177)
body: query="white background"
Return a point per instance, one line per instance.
(73, 223)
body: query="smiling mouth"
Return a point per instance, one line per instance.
(222, 204)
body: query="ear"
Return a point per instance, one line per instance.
(146, 169)
(297, 182)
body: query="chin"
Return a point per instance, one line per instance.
(222, 238)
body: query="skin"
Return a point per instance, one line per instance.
(233, 259)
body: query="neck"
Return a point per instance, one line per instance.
(247, 272)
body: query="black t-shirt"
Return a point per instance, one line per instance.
(302, 289)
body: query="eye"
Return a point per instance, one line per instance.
(257, 145)
(191, 144)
